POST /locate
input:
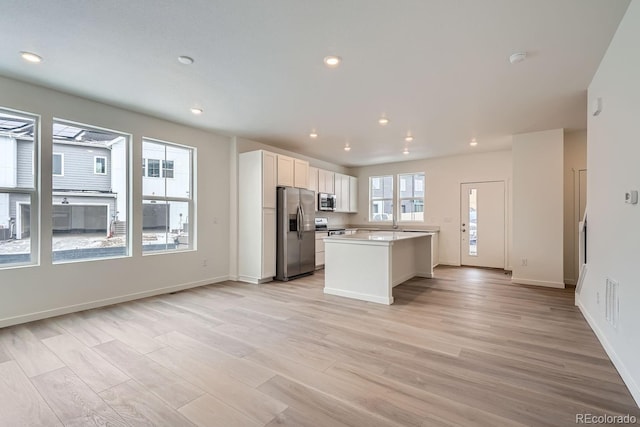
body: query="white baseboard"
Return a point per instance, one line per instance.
(24, 318)
(253, 280)
(544, 283)
(571, 282)
(633, 387)
(358, 295)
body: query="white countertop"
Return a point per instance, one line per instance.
(379, 236)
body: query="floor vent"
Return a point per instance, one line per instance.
(612, 303)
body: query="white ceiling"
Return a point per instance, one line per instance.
(437, 68)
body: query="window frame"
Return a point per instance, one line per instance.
(112, 214)
(413, 198)
(34, 192)
(149, 168)
(383, 199)
(191, 200)
(61, 164)
(165, 169)
(95, 160)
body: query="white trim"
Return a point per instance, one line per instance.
(520, 281)
(9, 321)
(95, 159)
(358, 295)
(401, 199)
(370, 197)
(633, 387)
(252, 280)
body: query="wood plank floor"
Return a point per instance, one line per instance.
(464, 348)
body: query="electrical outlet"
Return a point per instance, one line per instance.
(525, 262)
(598, 298)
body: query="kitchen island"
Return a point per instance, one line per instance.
(368, 265)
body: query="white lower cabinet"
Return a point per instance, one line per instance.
(320, 248)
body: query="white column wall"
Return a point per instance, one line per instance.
(613, 242)
(538, 198)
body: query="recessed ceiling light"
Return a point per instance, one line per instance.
(383, 121)
(473, 142)
(408, 138)
(186, 60)
(197, 111)
(406, 151)
(332, 61)
(347, 147)
(517, 57)
(31, 57)
(313, 134)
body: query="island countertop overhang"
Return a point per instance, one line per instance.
(376, 237)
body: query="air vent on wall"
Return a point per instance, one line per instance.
(612, 304)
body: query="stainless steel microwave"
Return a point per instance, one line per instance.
(326, 202)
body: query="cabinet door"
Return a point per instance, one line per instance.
(285, 171)
(269, 182)
(300, 173)
(342, 192)
(313, 184)
(268, 243)
(313, 179)
(353, 194)
(325, 181)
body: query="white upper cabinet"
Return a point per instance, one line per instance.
(313, 179)
(342, 192)
(300, 173)
(293, 172)
(353, 194)
(285, 170)
(325, 181)
(268, 180)
(313, 183)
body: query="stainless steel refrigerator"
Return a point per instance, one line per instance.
(296, 244)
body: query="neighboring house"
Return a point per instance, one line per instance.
(89, 170)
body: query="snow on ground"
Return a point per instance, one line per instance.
(82, 241)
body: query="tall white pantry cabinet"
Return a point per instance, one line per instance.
(257, 182)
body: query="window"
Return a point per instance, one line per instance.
(381, 198)
(153, 168)
(408, 197)
(411, 197)
(90, 207)
(167, 205)
(100, 165)
(19, 147)
(167, 168)
(58, 164)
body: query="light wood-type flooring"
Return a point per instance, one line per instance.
(465, 348)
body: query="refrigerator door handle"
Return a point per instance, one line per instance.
(299, 222)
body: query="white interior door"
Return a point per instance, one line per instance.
(482, 225)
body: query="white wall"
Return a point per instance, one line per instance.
(443, 177)
(40, 291)
(613, 243)
(538, 222)
(575, 159)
